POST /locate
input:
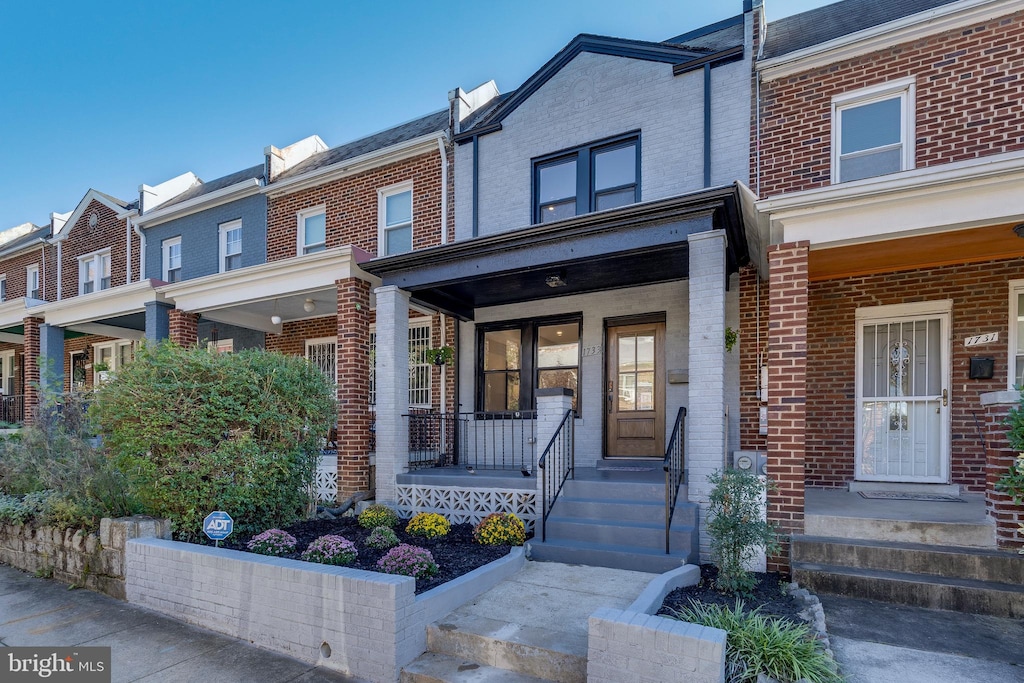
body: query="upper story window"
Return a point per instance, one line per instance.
(230, 246)
(33, 284)
(312, 230)
(873, 131)
(3, 288)
(94, 272)
(171, 249)
(394, 212)
(601, 175)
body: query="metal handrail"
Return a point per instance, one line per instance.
(562, 449)
(674, 473)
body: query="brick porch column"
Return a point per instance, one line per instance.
(31, 361)
(184, 327)
(392, 376)
(787, 390)
(353, 364)
(999, 456)
(705, 433)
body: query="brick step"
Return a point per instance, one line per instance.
(957, 534)
(655, 561)
(933, 592)
(912, 558)
(526, 650)
(624, 509)
(434, 667)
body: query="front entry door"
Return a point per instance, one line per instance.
(635, 391)
(903, 398)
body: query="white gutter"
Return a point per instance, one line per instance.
(236, 191)
(444, 211)
(354, 165)
(142, 251)
(128, 249)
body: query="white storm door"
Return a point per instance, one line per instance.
(903, 365)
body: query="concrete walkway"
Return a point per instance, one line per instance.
(144, 646)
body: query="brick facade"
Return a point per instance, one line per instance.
(753, 354)
(1008, 517)
(353, 332)
(31, 365)
(109, 233)
(969, 102)
(14, 268)
(81, 344)
(184, 327)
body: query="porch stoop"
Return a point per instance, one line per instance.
(964, 579)
(617, 520)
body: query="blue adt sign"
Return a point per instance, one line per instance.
(218, 525)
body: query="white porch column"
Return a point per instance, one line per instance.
(705, 419)
(392, 381)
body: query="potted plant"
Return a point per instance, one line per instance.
(102, 370)
(441, 356)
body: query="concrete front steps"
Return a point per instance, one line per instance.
(964, 579)
(617, 523)
(472, 648)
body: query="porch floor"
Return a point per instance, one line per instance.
(841, 503)
(643, 473)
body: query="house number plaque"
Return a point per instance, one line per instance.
(980, 339)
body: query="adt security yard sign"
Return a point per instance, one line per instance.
(218, 525)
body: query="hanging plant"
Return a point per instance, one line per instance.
(731, 336)
(441, 356)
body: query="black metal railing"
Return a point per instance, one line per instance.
(12, 409)
(481, 441)
(558, 463)
(674, 472)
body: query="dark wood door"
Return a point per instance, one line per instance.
(635, 391)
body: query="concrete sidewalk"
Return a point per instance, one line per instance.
(144, 646)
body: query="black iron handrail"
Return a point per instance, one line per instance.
(674, 473)
(561, 453)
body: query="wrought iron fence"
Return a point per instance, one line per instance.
(674, 472)
(558, 463)
(479, 441)
(12, 409)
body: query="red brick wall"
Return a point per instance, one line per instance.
(108, 233)
(979, 293)
(31, 366)
(184, 327)
(353, 331)
(969, 104)
(14, 269)
(81, 344)
(787, 391)
(753, 353)
(292, 340)
(351, 205)
(1008, 517)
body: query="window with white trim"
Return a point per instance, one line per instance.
(221, 346)
(111, 357)
(323, 354)
(33, 283)
(171, 249)
(1016, 341)
(873, 131)
(3, 288)
(394, 216)
(230, 246)
(94, 272)
(420, 369)
(312, 230)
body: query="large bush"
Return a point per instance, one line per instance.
(197, 432)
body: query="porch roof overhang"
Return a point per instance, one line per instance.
(250, 296)
(115, 312)
(12, 317)
(634, 245)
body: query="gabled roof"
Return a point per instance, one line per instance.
(201, 188)
(113, 203)
(715, 37)
(489, 119)
(839, 19)
(424, 125)
(26, 240)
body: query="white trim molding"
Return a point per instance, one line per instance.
(300, 228)
(905, 90)
(382, 213)
(246, 188)
(108, 303)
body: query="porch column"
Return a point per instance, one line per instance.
(392, 382)
(787, 390)
(31, 326)
(705, 419)
(158, 322)
(552, 404)
(184, 327)
(1007, 516)
(353, 363)
(51, 353)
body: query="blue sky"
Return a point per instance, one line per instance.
(112, 94)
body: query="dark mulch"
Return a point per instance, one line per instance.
(455, 554)
(769, 597)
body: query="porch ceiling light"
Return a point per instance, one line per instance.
(1018, 230)
(555, 281)
(275, 319)
(309, 306)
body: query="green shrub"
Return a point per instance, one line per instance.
(382, 538)
(757, 644)
(736, 527)
(198, 432)
(428, 525)
(500, 528)
(22, 509)
(378, 515)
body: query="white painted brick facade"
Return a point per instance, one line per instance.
(550, 412)
(392, 375)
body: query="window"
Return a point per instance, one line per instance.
(94, 272)
(3, 288)
(230, 246)
(394, 211)
(33, 286)
(323, 354)
(595, 177)
(312, 230)
(1016, 340)
(172, 259)
(221, 346)
(873, 132)
(111, 355)
(516, 358)
(420, 369)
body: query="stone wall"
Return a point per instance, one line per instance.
(88, 560)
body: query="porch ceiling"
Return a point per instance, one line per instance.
(635, 245)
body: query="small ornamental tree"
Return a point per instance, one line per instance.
(737, 528)
(1012, 482)
(197, 432)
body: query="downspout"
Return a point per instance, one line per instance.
(60, 259)
(42, 271)
(707, 124)
(128, 250)
(444, 208)
(476, 185)
(142, 252)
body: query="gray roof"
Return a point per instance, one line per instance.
(25, 240)
(425, 125)
(823, 24)
(120, 202)
(201, 188)
(713, 37)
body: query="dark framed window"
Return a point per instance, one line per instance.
(515, 358)
(594, 177)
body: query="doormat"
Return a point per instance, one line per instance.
(906, 495)
(623, 468)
